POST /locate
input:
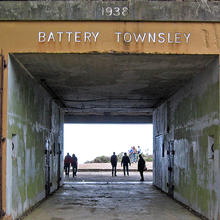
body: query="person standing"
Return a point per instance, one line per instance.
(114, 161)
(125, 161)
(131, 154)
(134, 154)
(74, 164)
(138, 151)
(141, 167)
(67, 161)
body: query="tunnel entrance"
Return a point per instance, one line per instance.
(48, 90)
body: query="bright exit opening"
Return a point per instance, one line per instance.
(89, 141)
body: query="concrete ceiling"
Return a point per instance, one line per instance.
(112, 85)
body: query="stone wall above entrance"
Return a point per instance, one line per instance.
(141, 10)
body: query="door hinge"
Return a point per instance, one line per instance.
(172, 187)
(170, 169)
(2, 213)
(3, 139)
(4, 64)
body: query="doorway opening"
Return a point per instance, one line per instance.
(94, 144)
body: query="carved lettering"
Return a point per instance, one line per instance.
(119, 37)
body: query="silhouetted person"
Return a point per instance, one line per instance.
(141, 167)
(67, 161)
(125, 161)
(74, 164)
(114, 161)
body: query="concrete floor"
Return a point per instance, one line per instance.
(98, 196)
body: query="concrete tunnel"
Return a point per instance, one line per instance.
(179, 94)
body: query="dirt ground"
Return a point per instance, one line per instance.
(107, 166)
(107, 177)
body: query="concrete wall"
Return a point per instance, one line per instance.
(34, 121)
(139, 10)
(190, 118)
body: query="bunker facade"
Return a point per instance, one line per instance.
(101, 61)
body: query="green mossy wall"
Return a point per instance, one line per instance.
(192, 115)
(33, 119)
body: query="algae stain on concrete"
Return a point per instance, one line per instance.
(194, 110)
(29, 117)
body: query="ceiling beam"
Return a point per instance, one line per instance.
(108, 119)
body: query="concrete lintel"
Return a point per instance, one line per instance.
(140, 10)
(107, 119)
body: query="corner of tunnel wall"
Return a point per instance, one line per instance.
(217, 151)
(4, 132)
(32, 119)
(192, 118)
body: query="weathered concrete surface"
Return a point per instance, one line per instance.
(35, 124)
(190, 119)
(118, 200)
(110, 37)
(112, 85)
(107, 119)
(92, 10)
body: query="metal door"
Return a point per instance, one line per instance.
(170, 157)
(47, 167)
(58, 167)
(157, 161)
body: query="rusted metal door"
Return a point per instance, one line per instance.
(170, 157)
(158, 161)
(2, 66)
(58, 167)
(47, 167)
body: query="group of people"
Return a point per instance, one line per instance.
(125, 162)
(68, 160)
(133, 153)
